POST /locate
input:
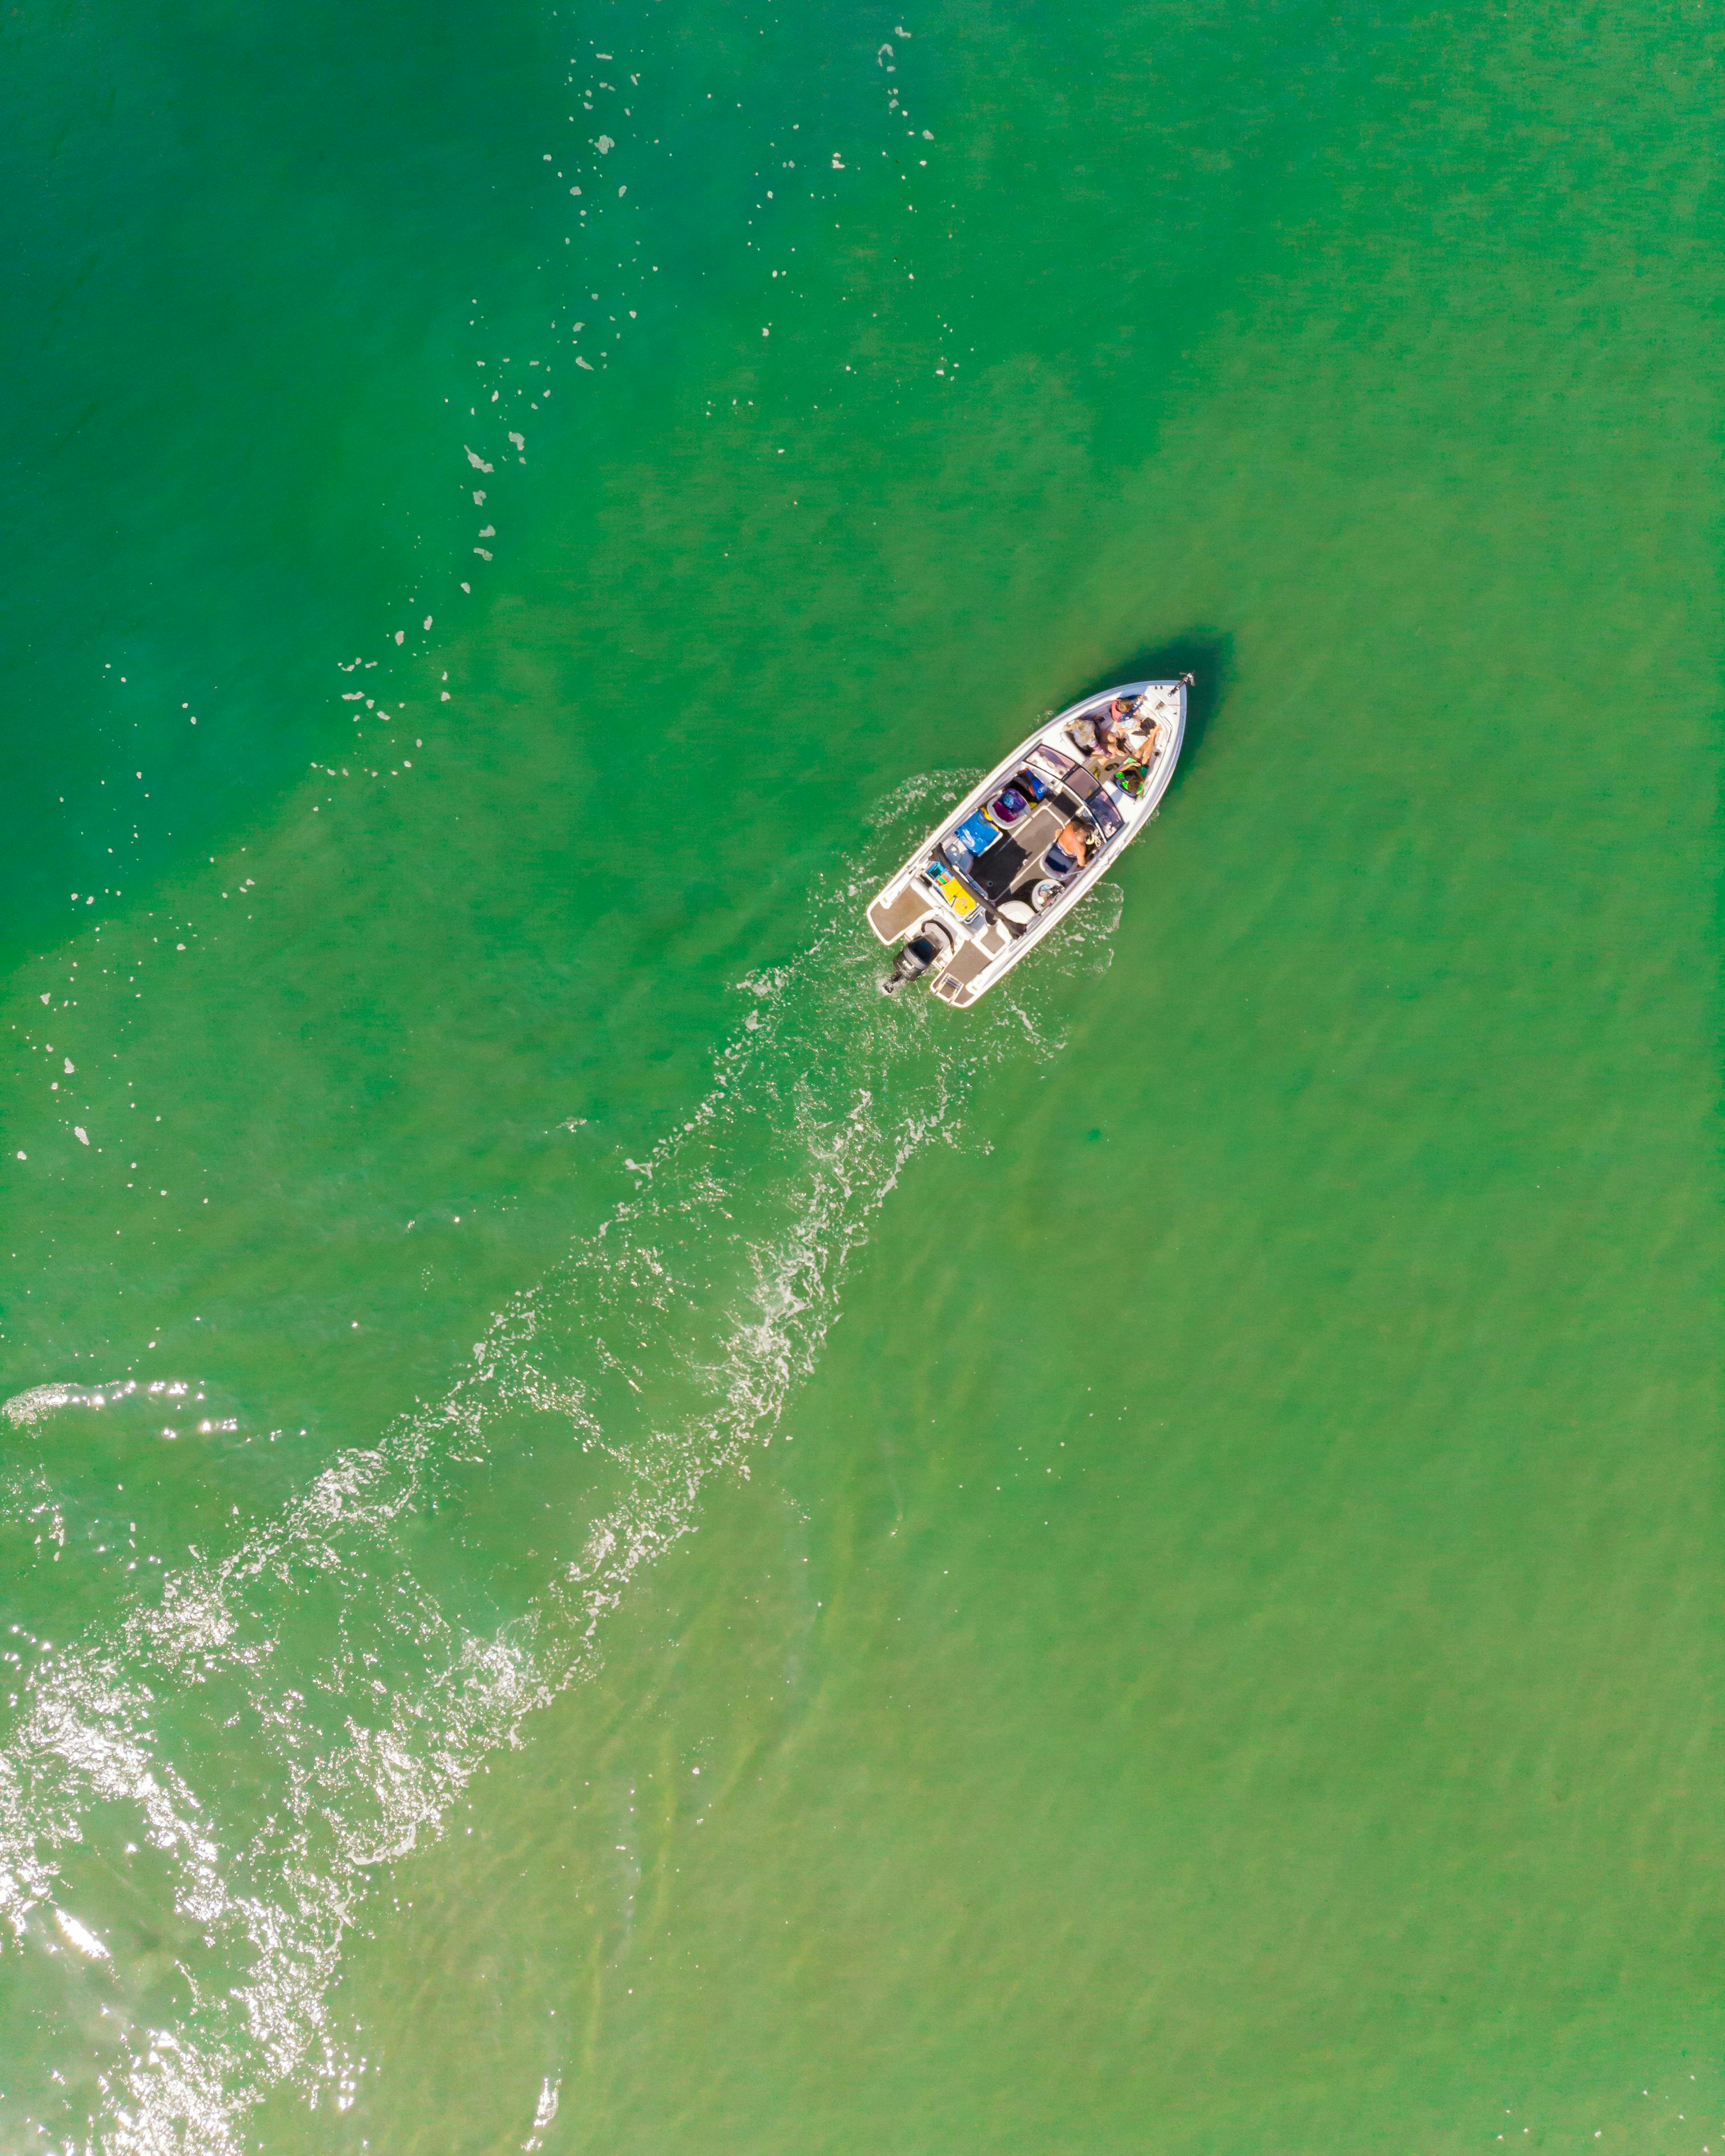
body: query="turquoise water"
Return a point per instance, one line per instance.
(610, 1542)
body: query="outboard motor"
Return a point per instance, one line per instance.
(932, 945)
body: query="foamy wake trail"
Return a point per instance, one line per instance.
(328, 1691)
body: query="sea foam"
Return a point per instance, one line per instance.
(327, 1685)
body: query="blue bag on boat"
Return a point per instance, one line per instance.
(976, 833)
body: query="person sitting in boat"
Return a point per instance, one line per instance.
(1133, 739)
(1110, 740)
(1121, 739)
(1069, 851)
(1122, 753)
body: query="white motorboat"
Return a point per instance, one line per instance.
(1014, 857)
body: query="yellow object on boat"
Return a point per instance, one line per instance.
(950, 888)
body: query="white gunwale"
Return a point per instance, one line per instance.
(907, 900)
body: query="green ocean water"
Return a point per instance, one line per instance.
(609, 1543)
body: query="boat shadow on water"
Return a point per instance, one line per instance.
(1207, 654)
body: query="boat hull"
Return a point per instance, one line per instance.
(982, 931)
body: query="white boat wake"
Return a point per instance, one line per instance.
(273, 1723)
